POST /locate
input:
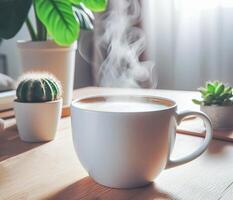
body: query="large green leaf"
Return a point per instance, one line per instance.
(93, 5)
(12, 16)
(58, 17)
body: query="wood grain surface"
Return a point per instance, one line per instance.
(196, 127)
(52, 170)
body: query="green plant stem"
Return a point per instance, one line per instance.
(31, 29)
(41, 29)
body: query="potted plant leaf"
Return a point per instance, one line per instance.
(38, 107)
(217, 103)
(53, 39)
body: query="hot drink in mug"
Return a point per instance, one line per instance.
(125, 142)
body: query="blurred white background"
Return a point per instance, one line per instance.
(191, 41)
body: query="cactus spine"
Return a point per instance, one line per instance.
(38, 87)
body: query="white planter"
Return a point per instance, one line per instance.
(37, 122)
(50, 57)
(220, 116)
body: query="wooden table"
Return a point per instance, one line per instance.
(52, 171)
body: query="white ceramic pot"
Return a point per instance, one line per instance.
(126, 149)
(37, 122)
(220, 116)
(50, 57)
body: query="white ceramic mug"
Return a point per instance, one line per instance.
(129, 149)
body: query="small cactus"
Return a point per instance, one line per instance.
(215, 93)
(38, 87)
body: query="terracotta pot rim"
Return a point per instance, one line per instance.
(217, 106)
(44, 45)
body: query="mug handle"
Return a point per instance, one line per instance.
(209, 133)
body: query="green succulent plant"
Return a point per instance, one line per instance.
(38, 87)
(215, 93)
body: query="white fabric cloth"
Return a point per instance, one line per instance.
(6, 83)
(191, 41)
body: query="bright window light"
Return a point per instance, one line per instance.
(198, 5)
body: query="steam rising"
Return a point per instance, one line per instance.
(120, 44)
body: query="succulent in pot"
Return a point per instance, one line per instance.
(38, 107)
(217, 103)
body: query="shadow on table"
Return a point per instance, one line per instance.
(218, 146)
(86, 188)
(11, 145)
